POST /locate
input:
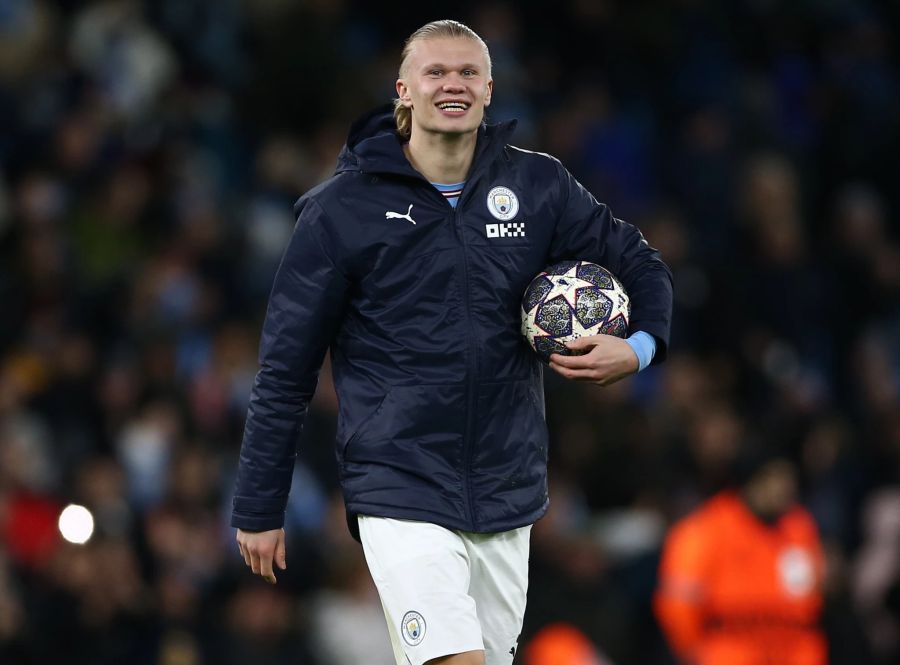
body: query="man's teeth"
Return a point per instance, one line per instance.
(452, 106)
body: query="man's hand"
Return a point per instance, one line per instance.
(607, 359)
(260, 548)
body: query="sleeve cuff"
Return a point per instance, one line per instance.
(644, 346)
(252, 514)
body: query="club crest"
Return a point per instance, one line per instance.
(502, 203)
(413, 628)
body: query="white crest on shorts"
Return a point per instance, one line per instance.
(413, 628)
(502, 203)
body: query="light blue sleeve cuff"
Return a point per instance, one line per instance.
(644, 346)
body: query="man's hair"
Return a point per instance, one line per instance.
(433, 30)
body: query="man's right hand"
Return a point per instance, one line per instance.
(260, 548)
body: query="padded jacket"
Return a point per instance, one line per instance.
(441, 415)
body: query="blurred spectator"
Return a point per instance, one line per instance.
(741, 577)
(128, 61)
(12, 617)
(876, 579)
(348, 604)
(559, 644)
(788, 341)
(261, 626)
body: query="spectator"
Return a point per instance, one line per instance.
(741, 577)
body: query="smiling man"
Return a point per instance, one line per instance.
(410, 264)
(444, 86)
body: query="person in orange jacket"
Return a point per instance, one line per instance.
(740, 581)
(562, 644)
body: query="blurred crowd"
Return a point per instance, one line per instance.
(150, 153)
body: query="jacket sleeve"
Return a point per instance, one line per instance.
(586, 230)
(304, 311)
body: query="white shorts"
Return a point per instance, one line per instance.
(446, 592)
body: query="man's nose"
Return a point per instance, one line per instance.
(453, 84)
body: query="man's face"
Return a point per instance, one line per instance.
(446, 84)
(774, 488)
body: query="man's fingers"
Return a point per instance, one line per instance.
(569, 373)
(265, 568)
(575, 362)
(244, 553)
(254, 562)
(281, 554)
(571, 362)
(243, 550)
(581, 344)
(593, 375)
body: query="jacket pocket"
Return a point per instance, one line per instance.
(348, 444)
(417, 428)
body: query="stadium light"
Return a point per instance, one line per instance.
(76, 524)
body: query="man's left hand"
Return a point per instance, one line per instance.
(606, 359)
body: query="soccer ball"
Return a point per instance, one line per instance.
(572, 299)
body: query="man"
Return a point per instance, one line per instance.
(741, 577)
(441, 444)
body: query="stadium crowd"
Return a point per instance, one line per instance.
(150, 153)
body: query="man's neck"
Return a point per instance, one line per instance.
(441, 158)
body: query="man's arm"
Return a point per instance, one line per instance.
(304, 311)
(586, 230)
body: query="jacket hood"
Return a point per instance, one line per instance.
(373, 145)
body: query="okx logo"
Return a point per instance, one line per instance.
(508, 230)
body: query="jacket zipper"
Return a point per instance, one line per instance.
(471, 366)
(471, 355)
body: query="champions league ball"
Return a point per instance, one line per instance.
(569, 300)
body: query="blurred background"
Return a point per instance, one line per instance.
(150, 153)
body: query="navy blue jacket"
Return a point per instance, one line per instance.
(441, 413)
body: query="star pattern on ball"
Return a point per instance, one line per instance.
(566, 285)
(580, 330)
(569, 300)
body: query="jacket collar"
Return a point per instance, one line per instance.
(373, 145)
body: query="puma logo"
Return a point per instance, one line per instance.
(397, 215)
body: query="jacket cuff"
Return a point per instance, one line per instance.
(247, 522)
(254, 514)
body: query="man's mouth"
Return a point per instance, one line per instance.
(453, 107)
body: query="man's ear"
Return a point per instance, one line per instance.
(403, 93)
(490, 91)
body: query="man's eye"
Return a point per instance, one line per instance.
(469, 72)
(435, 72)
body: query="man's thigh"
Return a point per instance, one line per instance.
(499, 585)
(422, 572)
